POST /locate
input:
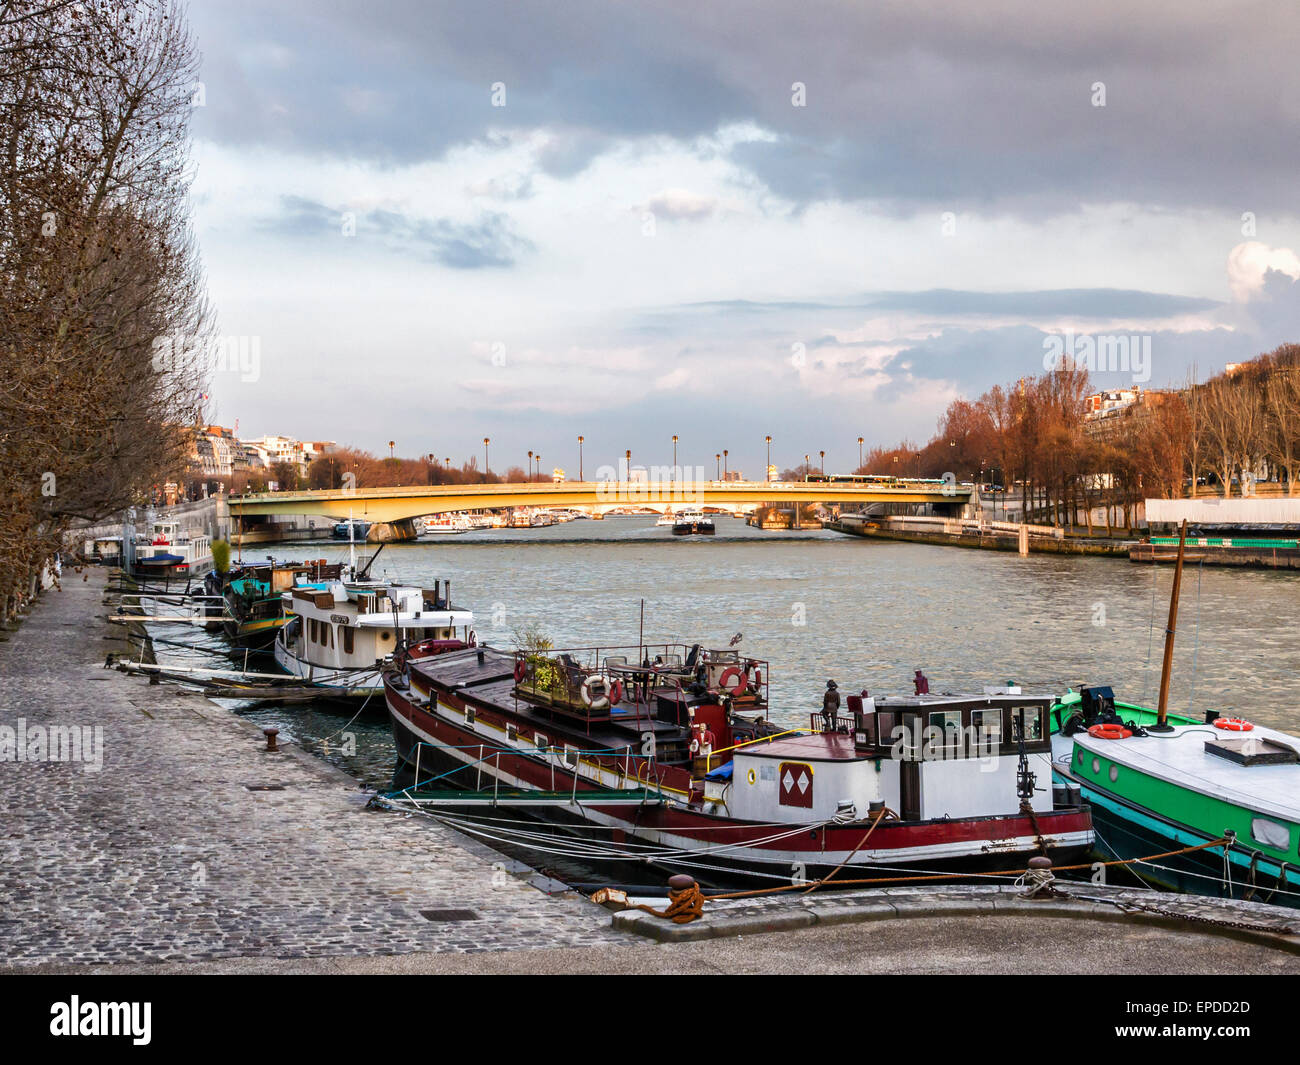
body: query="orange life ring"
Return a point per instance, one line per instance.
(1109, 732)
(520, 671)
(616, 692)
(737, 674)
(1233, 724)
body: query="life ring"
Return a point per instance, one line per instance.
(1109, 732)
(616, 691)
(737, 674)
(521, 671)
(1233, 724)
(752, 776)
(472, 640)
(595, 702)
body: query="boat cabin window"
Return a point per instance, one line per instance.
(1270, 833)
(944, 730)
(347, 639)
(1029, 721)
(988, 725)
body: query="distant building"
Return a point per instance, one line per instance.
(1107, 404)
(274, 449)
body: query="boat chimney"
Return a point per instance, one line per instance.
(480, 656)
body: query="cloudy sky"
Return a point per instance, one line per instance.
(527, 221)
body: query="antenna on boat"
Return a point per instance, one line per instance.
(640, 638)
(1162, 709)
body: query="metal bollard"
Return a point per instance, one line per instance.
(270, 734)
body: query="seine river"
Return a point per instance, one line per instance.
(818, 605)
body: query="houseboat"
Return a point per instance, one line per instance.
(167, 552)
(339, 632)
(672, 750)
(446, 524)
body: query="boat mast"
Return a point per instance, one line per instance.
(352, 546)
(1162, 710)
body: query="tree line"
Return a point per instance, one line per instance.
(1229, 435)
(97, 262)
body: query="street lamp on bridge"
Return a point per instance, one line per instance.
(724, 463)
(487, 468)
(823, 457)
(717, 473)
(674, 477)
(859, 453)
(530, 465)
(767, 470)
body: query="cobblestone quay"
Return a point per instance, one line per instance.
(191, 842)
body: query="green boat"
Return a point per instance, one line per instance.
(1160, 782)
(252, 599)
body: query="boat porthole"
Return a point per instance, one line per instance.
(751, 776)
(1114, 773)
(1081, 758)
(1096, 766)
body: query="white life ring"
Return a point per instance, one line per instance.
(595, 702)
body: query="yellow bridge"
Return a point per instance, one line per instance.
(403, 503)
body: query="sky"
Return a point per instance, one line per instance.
(431, 222)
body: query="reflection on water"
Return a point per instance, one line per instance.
(821, 606)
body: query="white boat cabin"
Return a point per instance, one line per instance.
(352, 624)
(924, 757)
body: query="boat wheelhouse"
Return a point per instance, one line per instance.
(447, 524)
(340, 632)
(672, 746)
(167, 552)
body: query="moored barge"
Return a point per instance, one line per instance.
(669, 751)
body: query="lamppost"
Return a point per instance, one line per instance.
(580, 440)
(767, 470)
(724, 463)
(487, 468)
(717, 473)
(539, 465)
(530, 465)
(628, 458)
(823, 457)
(391, 444)
(859, 452)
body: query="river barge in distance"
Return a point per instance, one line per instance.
(675, 759)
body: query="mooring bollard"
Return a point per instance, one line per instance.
(270, 734)
(1039, 879)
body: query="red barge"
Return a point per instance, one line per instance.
(666, 755)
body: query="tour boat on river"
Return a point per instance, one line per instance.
(671, 750)
(340, 631)
(693, 523)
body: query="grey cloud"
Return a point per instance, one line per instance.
(487, 242)
(975, 107)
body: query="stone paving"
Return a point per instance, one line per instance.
(166, 855)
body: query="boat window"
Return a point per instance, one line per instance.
(1030, 720)
(385, 636)
(987, 725)
(347, 639)
(944, 730)
(1270, 833)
